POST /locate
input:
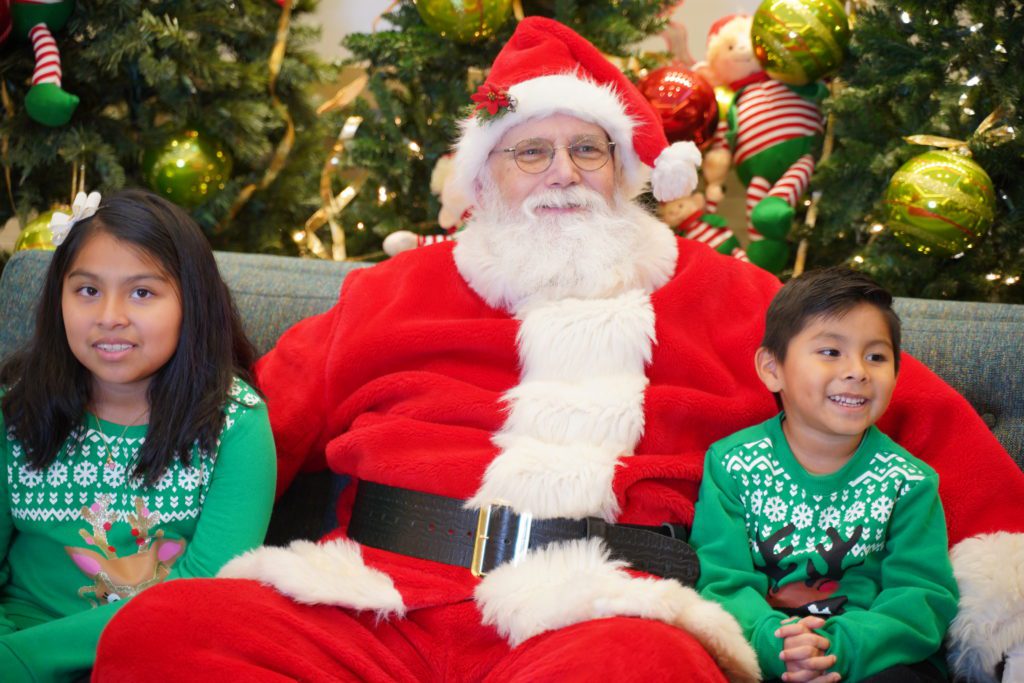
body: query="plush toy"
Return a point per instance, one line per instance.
(36, 20)
(771, 134)
(687, 217)
(454, 212)
(5, 20)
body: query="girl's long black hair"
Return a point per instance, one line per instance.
(47, 387)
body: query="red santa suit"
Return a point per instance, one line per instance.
(431, 374)
(588, 407)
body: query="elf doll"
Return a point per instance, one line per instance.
(46, 102)
(770, 134)
(688, 218)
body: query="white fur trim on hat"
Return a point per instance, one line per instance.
(675, 171)
(543, 96)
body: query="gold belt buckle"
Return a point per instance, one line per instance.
(483, 526)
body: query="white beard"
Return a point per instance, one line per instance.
(512, 256)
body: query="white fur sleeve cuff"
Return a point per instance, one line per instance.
(989, 571)
(568, 583)
(331, 573)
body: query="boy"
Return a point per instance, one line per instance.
(823, 537)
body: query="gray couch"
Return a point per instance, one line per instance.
(977, 348)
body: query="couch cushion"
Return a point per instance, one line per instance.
(977, 349)
(271, 292)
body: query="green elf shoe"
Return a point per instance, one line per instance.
(772, 255)
(50, 105)
(772, 217)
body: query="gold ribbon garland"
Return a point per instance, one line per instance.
(387, 10)
(77, 181)
(334, 204)
(284, 147)
(5, 143)
(811, 217)
(988, 131)
(345, 95)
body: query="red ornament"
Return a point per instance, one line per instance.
(107, 525)
(5, 19)
(135, 532)
(684, 101)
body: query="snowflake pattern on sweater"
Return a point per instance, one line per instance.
(864, 547)
(774, 500)
(806, 531)
(81, 474)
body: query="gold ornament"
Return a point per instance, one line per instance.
(940, 202)
(465, 21)
(800, 41)
(37, 235)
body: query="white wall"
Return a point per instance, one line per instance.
(340, 17)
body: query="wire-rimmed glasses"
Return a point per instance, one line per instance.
(536, 154)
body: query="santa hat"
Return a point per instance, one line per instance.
(547, 68)
(717, 27)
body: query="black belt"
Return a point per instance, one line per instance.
(440, 529)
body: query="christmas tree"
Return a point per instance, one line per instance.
(920, 67)
(421, 77)
(231, 79)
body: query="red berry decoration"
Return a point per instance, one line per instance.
(107, 525)
(685, 102)
(135, 532)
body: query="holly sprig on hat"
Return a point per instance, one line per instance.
(492, 102)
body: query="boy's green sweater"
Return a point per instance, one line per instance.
(864, 547)
(80, 537)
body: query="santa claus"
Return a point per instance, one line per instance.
(524, 417)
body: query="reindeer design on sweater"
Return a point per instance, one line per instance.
(120, 577)
(816, 595)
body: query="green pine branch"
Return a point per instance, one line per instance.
(144, 70)
(924, 67)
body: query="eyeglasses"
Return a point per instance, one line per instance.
(536, 154)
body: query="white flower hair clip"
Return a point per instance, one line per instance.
(83, 207)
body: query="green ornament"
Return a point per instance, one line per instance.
(940, 203)
(465, 21)
(37, 235)
(187, 168)
(800, 41)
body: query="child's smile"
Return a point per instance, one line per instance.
(122, 315)
(835, 382)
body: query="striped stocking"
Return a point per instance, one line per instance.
(47, 68)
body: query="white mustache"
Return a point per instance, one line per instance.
(576, 197)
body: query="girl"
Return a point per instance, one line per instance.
(133, 450)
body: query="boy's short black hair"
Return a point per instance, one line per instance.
(825, 292)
